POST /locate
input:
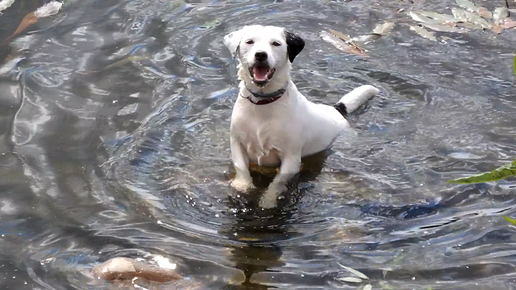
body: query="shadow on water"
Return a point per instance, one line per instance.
(259, 232)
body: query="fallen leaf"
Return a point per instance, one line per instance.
(49, 9)
(350, 279)
(27, 21)
(438, 16)
(496, 28)
(442, 28)
(345, 46)
(368, 287)
(124, 61)
(497, 174)
(514, 68)
(512, 221)
(500, 14)
(340, 35)
(508, 24)
(383, 29)
(4, 4)
(366, 38)
(468, 5)
(484, 13)
(354, 272)
(475, 19)
(466, 16)
(423, 32)
(422, 18)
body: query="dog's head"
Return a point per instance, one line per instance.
(263, 51)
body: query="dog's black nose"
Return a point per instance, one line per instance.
(260, 56)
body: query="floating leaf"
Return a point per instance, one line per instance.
(500, 14)
(466, 16)
(459, 14)
(445, 18)
(354, 272)
(497, 174)
(4, 4)
(512, 221)
(435, 21)
(340, 35)
(383, 29)
(27, 21)
(475, 19)
(417, 16)
(350, 279)
(485, 13)
(514, 68)
(367, 38)
(345, 46)
(468, 5)
(496, 28)
(508, 24)
(368, 287)
(423, 32)
(124, 61)
(442, 28)
(211, 24)
(49, 9)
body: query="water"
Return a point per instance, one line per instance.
(114, 143)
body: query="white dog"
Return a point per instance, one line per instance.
(272, 122)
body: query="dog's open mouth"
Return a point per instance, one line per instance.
(261, 73)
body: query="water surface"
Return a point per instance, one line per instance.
(115, 142)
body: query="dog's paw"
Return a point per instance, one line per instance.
(242, 185)
(268, 201)
(270, 198)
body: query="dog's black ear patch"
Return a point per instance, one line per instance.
(294, 45)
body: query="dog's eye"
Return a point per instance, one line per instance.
(275, 43)
(249, 41)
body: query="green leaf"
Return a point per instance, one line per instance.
(497, 174)
(512, 221)
(514, 67)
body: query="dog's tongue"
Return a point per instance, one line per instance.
(260, 73)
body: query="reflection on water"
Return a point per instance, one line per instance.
(114, 142)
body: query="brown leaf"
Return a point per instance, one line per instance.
(496, 28)
(340, 35)
(27, 21)
(485, 13)
(508, 24)
(338, 42)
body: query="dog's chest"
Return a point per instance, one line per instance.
(263, 140)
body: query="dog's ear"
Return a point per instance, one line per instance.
(232, 40)
(294, 45)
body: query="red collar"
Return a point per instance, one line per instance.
(264, 99)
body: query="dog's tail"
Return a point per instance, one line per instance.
(354, 99)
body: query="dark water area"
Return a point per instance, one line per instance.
(114, 142)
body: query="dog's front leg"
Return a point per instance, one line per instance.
(243, 180)
(290, 165)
